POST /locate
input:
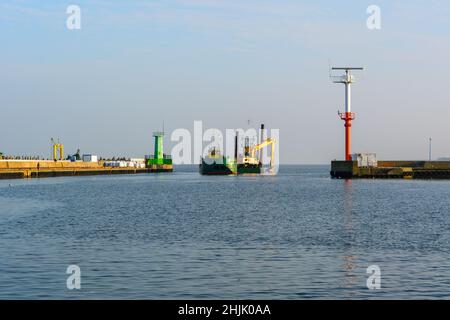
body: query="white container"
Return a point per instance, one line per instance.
(365, 159)
(89, 158)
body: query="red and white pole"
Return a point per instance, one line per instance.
(348, 116)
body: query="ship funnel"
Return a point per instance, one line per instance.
(261, 135)
(236, 146)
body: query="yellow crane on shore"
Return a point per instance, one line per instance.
(57, 147)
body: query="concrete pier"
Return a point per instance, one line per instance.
(19, 169)
(392, 170)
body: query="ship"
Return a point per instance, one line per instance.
(215, 164)
(249, 164)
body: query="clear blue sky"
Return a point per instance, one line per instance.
(106, 87)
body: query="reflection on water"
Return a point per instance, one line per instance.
(350, 279)
(296, 235)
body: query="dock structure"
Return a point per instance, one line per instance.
(360, 165)
(21, 169)
(88, 164)
(391, 170)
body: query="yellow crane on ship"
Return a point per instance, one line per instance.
(57, 147)
(266, 143)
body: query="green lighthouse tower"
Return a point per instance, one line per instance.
(159, 161)
(159, 147)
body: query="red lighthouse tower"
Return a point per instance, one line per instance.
(348, 116)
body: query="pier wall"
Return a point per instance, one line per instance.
(392, 170)
(20, 169)
(46, 164)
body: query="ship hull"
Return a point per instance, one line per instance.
(248, 169)
(214, 169)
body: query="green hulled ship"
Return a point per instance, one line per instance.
(246, 163)
(216, 164)
(249, 163)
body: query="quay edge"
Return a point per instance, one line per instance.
(391, 170)
(10, 169)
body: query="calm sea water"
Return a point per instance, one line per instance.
(297, 235)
